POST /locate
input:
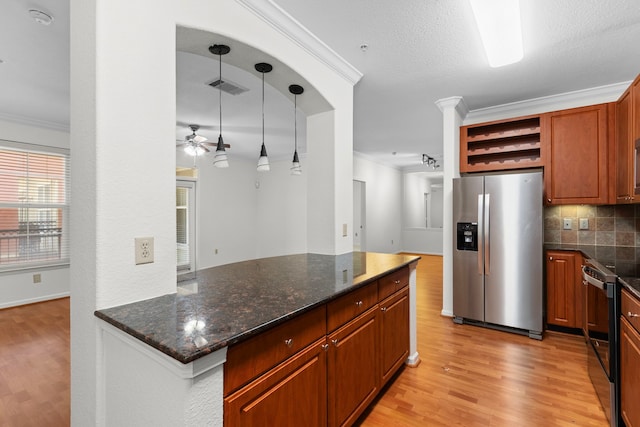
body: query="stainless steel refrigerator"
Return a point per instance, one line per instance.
(497, 251)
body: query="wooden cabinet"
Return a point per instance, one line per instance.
(501, 145)
(394, 333)
(564, 289)
(630, 360)
(353, 368)
(627, 145)
(293, 393)
(624, 150)
(273, 347)
(323, 367)
(576, 169)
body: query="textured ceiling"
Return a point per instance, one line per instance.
(418, 52)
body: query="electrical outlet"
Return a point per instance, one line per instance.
(566, 224)
(583, 223)
(37, 278)
(144, 250)
(344, 230)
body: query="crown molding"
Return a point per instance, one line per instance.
(456, 102)
(35, 122)
(562, 101)
(287, 25)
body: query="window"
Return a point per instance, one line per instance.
(185, 228)
(34, 206)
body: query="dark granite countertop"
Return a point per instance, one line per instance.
(227, 304)
(624, 261)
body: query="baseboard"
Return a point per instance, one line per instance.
(34, 300)
(413, 360)
(446, 313)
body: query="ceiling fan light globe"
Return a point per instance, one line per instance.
(190, 150)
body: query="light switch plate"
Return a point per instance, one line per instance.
(584, 223)
(566, 224)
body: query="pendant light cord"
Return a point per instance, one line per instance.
(295, 123)
(263, 107)
(220, 92)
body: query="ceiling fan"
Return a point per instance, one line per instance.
(196, 145)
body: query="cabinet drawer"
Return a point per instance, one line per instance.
(347, 307)
(631, 309)
(393, 282)
(250, 358)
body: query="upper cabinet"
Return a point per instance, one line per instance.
(576, 147)
(590, 155)
(627, 145)
(501, 145)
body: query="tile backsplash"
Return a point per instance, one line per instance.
(615, 225)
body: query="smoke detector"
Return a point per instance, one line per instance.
(41, 17)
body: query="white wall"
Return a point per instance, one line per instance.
(17, 287)
(416, 186)
(281, 215)
(123, 101)
(384, 204)
(416, 237)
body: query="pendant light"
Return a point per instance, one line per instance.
(220, 158)
(263, 161)
(295, 165)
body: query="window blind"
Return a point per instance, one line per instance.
(34, 206)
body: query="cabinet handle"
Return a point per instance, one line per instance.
(334, 342)
(325, 347)
(289, 342)
(359, 303)
(548, 200)
(397, 282)
(550, 258)
(630, 314)
(383, 309)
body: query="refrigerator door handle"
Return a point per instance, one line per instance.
(480, 226)
(485, 229)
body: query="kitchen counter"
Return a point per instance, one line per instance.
(621, 260)
(230, 303)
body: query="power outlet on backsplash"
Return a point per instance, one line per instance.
(610, 225)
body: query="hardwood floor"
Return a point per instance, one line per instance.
(472, 376)
(35, 365)
(469, 376)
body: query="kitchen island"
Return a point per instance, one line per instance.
(164, 357)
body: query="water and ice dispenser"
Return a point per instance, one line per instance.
(467, 236)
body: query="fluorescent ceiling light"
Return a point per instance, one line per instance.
(499, 24)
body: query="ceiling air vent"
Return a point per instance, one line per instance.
(228, 86)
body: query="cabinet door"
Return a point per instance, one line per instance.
(293, 393)
(624, 150)
(577, 166)
(563, 289)
(629, 374)
(394, 333)
(353, 373)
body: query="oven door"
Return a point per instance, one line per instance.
(600, 321)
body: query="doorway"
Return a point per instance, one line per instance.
(359, 215)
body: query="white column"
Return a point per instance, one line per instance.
(330, 181)
(122, 173)
(454, 110)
